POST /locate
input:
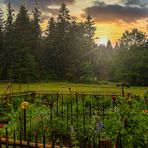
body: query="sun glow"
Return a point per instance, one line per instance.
(103, 40)
(111, 31)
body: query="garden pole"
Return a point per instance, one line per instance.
(24, 106)
(99, 139)
(98, 105)
(24, 124)
(67, 116)
(71, 111)
(51, 110)
(77, 109)
(103, 111)
(90, 108)
(57, 103)
(42, 124)
(44, 142)
(83, 115)
(14, 136)
(30, 126)
(20, 129)
(36, 139)
(122, 87)
(53, 140)
(61, 145)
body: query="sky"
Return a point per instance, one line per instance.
(112, 17)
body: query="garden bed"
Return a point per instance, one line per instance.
(78, 120)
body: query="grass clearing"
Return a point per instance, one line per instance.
(64, 87)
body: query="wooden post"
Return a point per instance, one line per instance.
(44, 143)
(36, 139)
(14, 139)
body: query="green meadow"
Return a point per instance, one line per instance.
(76, 87)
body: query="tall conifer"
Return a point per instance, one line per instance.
(1, 42)
(24, 64)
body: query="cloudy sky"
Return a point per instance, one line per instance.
(112, 17)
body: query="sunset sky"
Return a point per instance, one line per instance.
(112, 17)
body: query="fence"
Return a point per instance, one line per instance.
(40, 93)
(71, 112)
(5, 141)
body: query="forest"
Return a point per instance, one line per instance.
(66, 50)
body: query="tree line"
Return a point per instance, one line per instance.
(66, 50)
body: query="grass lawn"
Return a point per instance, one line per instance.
(64, 87)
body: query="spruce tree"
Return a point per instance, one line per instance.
(24, 62)
(116, 48)
(88, 60)
(75, 48)
(9, 45)
(89, 37)
(109, 44)
(1, 43)
(109, 50)
(63, 24)
(50, 67)
(89, 28)
(36, 49)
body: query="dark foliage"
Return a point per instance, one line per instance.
(67, 50)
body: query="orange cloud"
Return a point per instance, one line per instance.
(114, 30)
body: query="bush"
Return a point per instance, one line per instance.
(87, 79)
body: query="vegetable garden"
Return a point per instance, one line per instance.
(76, 120)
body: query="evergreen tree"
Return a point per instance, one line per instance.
(9, 45)
(36, 49)
(116, 48)
(24, 63)
(50, 67)
(90, 46)
(76, 47)
(109, 48)
(10, 15)
(1, 42)
(89, 28)
(68, 50)
(63, 24)
(89, 35)
(101, 64)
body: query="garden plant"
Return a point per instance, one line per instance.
(76, 120)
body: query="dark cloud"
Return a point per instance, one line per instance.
(43, 4)
(142, 3)
(103, 12)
